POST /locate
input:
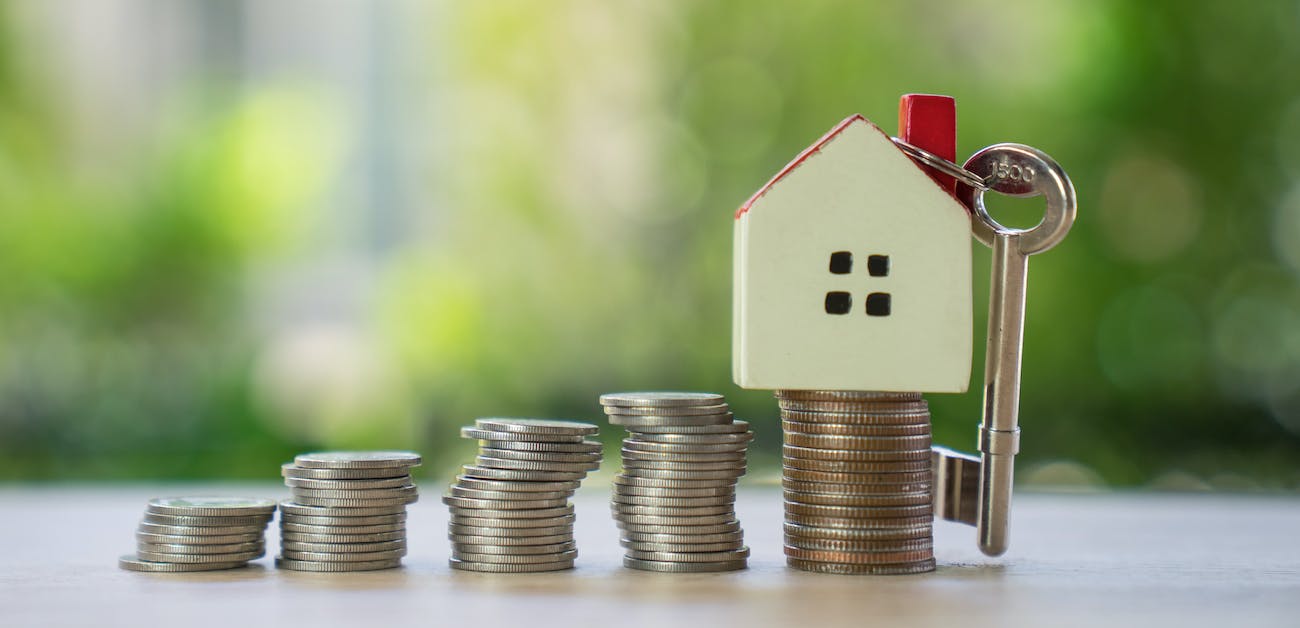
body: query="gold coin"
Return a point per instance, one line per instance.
(916, 498)
(875, 523)
(855, 407)
(841, 545)
(808, 453)
(851, 569)
(887, 486)
(847, 395)
(810, 428)
(915, 531)
(859, 443)
(857, 466)
(857, 477)
(870, 558)
(858, 512)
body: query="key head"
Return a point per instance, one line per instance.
(1021, 171)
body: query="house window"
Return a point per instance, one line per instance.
(841, 263)
(839, 303)
(878, 265)
(877, 304)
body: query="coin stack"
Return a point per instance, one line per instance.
(181, 534)
(510, 510)
(348, 510)
(857, 480)
(675, 500)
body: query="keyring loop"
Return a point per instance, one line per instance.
(1021, 171)
(949, 168)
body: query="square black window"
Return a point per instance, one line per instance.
(841, 263)
(878, 265)
(839, 303)
(877, 304)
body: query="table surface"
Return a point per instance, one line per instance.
(1101, 559)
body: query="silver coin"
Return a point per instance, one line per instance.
(682, 530)
(858, 512)
(663, 474)
(859, 443)
(307, 565)
(384, 528)
(632, 423)
(856, 455)
(675, 521)
(343, 548)
(515, 486)
(496, 513)
(536, 456)
(852, 466)
(614, 412)
(873, 408)
(861, 569)
(292, 471)
(690, 557)
(370, 493)
(200, 558)
(631, 464)
(510, 542)
(459, 530)
(215, 539)
(634, 454)
(349, 485)
(486, 473)
(692, 449)
(679, 493)
(740, 438)
(584, 447)
(515, 559)
(580, 468)
(727, 509)
(145, 547)
(513, 550)
(624, 479)
(396, 520)
(683, 539)
(459, 491)
(147, 527)
(131, 563)
(674, 502)
(494, 436)
(488, 522)
(289, 507)
(661, 399)
(905, 483)
(653, 565)
(912, 531)
(499, 504)
(343, 557)
(199, 522)
(372, 537)
(842, 545)
(847, 395)
(737, 426)
(916, 498)
(326, 502)
(357, 459)
(203, 506)
(637, 546)
(460, 565)
(536, 426)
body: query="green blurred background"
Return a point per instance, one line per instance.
(232, 231)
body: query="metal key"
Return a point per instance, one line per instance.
(1020, 171)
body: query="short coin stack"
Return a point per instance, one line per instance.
(348, 511)
(857, 480)
(510, 510)
(181, 534)
(675, 500)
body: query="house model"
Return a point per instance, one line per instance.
(852, 266)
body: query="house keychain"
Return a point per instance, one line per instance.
(863, 481)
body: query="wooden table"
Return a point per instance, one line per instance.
(1077, 560)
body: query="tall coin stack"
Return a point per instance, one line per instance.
(857, 480)
(675, 500)
(181, 534)
(510, 510)
(348, 510)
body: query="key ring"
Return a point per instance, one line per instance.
(944, 166)
(1021, 171)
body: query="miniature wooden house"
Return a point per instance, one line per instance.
(852, 271)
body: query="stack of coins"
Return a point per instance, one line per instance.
(348, 510)
(857, 480)
(180, 534)
(675, 500)
(510, 510)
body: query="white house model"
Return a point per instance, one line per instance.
(852, 271)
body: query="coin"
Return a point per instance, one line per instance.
(840, 545)
(486, 522)
(371, 493)
(173, 539)
(728, 490)
(349, 485)
(690, 557)
(690, 449)
(211, 506)
(462, 565)
(348, 557)
(158, 557)
(673, 484)
(343, 548)
(203, 521)
(735, 427)
(583, 447)
(536, 426)
(302, 510)
(341, 529)
(302, 565)
(660, 399)
(671, 521)
(496, 513)
(804, 429)
(357, 459)
(499, 504)
(847, 395)
(460, 529)
(860, 523)
(643, 438)
(290, 470)
(577, 468)
(398, 520)
(855, 466)
(459, 491)
(634, 465)
(868, 484)
(514, 486)
(131, 563)
(635, 546)
(515, 559)
(494, 436)
(922, 566)
(513, 550)
(633, 422)
(327, 502)
(661, 474)
(371, 537)
(875, 558)
(864, 407)
(683, 502)
(674, 511)
(683, 539)
(858, 443)
(512, 542)
(918, 498)
(668, 411)
(857, 455)
(552, 456)
(675, 567)
(486, 473)
(225, 548)
(852, 477)
(637, 454)
(147, 527)
(922, 530)
(687, 530)
(892, 420)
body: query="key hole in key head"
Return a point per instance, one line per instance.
(1015, 212)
